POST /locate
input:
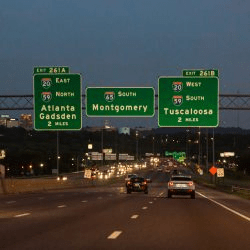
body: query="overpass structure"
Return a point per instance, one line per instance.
(25, 102)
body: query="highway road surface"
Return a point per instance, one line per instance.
(109, 218)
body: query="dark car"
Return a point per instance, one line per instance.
(128, 178)
(137, 184)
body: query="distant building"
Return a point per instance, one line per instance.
(124, 130)
(11, 122)
(96, 129)
(3, 120)
(26, 121)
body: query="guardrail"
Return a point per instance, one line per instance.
(237, 188)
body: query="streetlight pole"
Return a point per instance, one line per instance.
(199, 142)
(153, 145)
(213, 149)
(207, 150)
(102, 147)
(136, 134)
(57, 154)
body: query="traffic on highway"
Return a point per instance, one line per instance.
(127, 207)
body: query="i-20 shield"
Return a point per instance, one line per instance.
(46, 82)
(177, 86)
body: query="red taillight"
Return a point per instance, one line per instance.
(128, 182)
(144, 183)
(171, 183)
(190, 183)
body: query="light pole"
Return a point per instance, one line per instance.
(153, 145)
(199, 143)
(213, 148)
(207, 149)
(102, 147)
(136, 134)
(58, 157)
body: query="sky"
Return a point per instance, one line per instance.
(127, 43)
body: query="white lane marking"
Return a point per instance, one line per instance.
(21, 215)
(134, 216)
(151, 202)
(114, 235)
(84, 201)
(225, 207)
(10, 202)
(61, 206)
(145, 208)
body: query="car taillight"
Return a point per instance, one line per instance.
(129, 182)
(190, 183)
(144, 183)
(171, 183)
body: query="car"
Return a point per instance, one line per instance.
(137, 184)
(159, 169)
(61, 178)
(181, 185)
(128, 177)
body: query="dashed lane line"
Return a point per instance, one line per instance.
(134, 216)
(21, 215)
(114, 235)
(144, 208)
(225, 207)
(84, 201)
(61, 206)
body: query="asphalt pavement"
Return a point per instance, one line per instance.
(109, 218)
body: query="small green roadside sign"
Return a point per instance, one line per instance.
(200, 72)
(51, 70)
(57, 102)
(123, 102)
(188, 102)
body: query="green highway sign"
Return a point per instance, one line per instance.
(201, 72)
(116, 101)
(57, 102)
(188, 102)
(179, 156)
(51, 70)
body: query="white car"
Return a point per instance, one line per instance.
(181, 184)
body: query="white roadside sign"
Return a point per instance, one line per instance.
(87, 173)
(220, 172)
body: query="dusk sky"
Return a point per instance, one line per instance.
(127, 43)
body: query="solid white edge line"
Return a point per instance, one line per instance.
(225, 207)
(114, 235)
(21, 215)
(10, 202)
(134, 216)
